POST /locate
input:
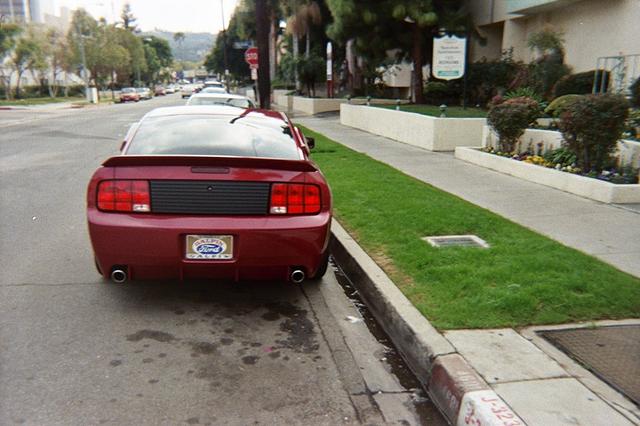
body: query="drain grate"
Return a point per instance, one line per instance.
(457, 241)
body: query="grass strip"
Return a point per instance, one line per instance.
(434, 110)
(39, 101)
(523, 279)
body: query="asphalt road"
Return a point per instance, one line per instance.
(77, 350)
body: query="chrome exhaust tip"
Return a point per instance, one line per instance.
(118, 276)
(297, 276)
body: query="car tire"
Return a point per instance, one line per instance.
(322, 269)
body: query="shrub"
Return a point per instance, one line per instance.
(486, 79)
(558, 105)
(526, 92)
(437, 92)
(510, 118)
(580, 83)
(591, 127)
(635, 93)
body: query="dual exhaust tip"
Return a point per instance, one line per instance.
(119, 275)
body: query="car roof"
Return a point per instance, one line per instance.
(217, 110)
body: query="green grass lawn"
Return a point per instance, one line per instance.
(40, 101)
(524, 278)
(433, 110)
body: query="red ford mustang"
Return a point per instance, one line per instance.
(210, 192)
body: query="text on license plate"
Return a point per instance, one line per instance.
(209, 247)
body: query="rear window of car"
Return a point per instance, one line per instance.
(221, 136)
(128, 90)
(203, 100)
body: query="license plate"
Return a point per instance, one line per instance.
(209, 247)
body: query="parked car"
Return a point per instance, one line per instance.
(213, 90)
(213, 83)
(129, 94)
(205, 98)
(170, 89)
(145, 92)
(210, 192)
(159, 91)
(187, 90)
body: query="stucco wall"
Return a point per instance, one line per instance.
(431, 133)
(591, 29)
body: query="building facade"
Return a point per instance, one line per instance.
(591, 28)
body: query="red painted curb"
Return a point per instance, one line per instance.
(451, 378)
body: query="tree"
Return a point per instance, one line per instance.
(406, 26)
(161, 48)
(23, 58)
(179, 38)
(128, 19)
(8, 34)
(262, 35)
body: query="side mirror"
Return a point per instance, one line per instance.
(311, 142)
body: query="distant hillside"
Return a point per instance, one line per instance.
(194, 47)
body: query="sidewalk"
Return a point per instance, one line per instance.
(541, 384)
(609, 232)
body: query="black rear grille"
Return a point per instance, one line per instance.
(210, 197)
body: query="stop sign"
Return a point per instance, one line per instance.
(251, 56)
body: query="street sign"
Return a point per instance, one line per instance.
(251, 56)
(449, 53)
(241, 44)
(254, 73)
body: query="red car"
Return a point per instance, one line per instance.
(129, 94)
(210, 192)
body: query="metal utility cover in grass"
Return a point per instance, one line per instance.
(456, 241)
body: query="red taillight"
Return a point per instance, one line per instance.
(124, 196)
(294, 198)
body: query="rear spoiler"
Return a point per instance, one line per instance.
(209, 161)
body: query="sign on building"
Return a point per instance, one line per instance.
(449, 53)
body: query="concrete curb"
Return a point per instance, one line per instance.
(453, 385)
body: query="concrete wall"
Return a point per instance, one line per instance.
(311, 106)
(628, 151)
(580, 185)
(431, 133)
(591, 28)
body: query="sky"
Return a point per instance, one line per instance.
(177, 15)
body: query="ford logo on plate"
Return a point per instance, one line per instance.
(209, 246)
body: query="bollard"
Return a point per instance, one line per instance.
(397, 104)
(368, 100)
(349, 98)
(443, 111)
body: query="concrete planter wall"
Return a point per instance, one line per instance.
(423, 131)
(583, 186)
(281, 97)
(313, 106)
(628, 151)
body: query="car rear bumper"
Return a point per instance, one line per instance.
(154, 246)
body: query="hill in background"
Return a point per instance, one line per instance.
(194, 47)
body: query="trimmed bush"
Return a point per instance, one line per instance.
(510, 118)
(591, 127)
(560, 104)
(580, 83)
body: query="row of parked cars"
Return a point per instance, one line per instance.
(135, 94)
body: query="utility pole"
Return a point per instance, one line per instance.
(262, 35)
(224, 47)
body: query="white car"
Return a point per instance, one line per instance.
(221, 99)
(212, 89)
(170, 89)
(213, 83)
(187, 90)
